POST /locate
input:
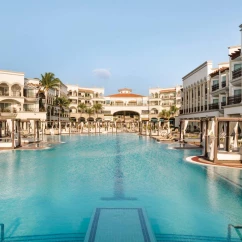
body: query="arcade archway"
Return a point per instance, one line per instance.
(126, 116)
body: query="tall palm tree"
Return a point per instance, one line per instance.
(97, 107)
(62, 103)
(82, 107)
(173, 110)
(165, 114)
(89, 111)
(48, 81)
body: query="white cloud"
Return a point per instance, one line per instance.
(102, 73)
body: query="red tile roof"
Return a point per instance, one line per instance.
(235, 54)
(215, 73)
(125, 95)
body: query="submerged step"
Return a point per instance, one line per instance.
(119, 224)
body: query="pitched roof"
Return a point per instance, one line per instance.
(125, 95)
(215, 73)
(235, 54)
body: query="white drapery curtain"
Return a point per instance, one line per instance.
(232, 127)
(236, 135)
(185, 126)
(211, 129)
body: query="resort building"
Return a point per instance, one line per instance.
(163, 99)
(88, 96)
(209, 92)
(126, 106)
(53, 112)
(19, 96)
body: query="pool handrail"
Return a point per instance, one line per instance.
(230, 231)
(2, 232)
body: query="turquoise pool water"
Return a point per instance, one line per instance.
(56, 190)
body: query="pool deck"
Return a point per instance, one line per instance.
(201, 160)
(119, 225)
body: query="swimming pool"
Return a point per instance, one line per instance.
(56, 190)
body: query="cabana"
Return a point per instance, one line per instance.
(222, 139)
(10, 136)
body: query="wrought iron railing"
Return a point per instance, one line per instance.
(223, 84)
(213, 106)
(237, 73)
(215, 87)
(234, 99)
(223, 104)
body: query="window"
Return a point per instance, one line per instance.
(223, 78)
(215, 100)
(107, 101)
(237, 66)
(237, 92)
(224, 99)
(215, 82)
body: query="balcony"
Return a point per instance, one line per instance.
(223, 83)
(223, 104)
(166, 104)
(213, 106)
(215, 87)
(237, 73)
(4, 93)
(234, 99)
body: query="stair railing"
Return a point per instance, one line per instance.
(237, 228)
(2, 232)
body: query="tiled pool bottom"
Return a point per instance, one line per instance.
(119, 224)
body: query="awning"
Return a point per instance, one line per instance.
(162, 120)
(145, 119)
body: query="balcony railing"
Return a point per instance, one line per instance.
(234, 99)
(223, 104)
(4, 93)
(213, 106)
(215, 87)
(223, 83)
(237, 73)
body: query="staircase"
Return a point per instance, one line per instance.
(48, 237)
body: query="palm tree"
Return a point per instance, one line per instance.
(82, 107)
(62, 103)
(166, 114)
(89, 111)
(97, 107)
(173, 110)
(163, 114)
(48, 81)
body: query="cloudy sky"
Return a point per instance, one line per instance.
(114, 44)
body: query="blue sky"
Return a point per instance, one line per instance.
(136, 43)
